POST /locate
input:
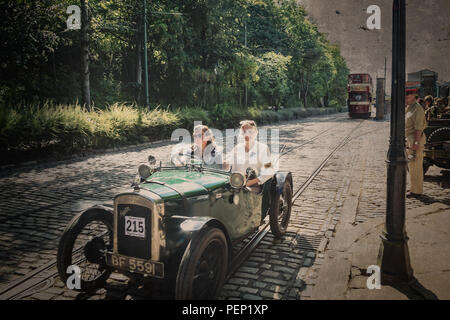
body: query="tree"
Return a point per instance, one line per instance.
(85, 83)
(304, 47)
(196, 49)
(240, 73)
(265, 28)
(28, 43)
(338, 86)
(273, 77)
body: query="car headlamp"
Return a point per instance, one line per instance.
(237, 180)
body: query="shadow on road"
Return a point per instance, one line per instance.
(414, 290)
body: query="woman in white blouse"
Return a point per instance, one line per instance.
(250, 153)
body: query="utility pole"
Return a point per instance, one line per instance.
(384, 88)
(147, 100)
(85, 74)
(380, 99)
(393, 257)
(245, 45)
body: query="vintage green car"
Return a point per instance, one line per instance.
(178, 224)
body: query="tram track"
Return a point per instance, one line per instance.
(44, 276)
(101, 190)
(245, 252)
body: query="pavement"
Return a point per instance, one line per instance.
(355, 248)
(356, 241)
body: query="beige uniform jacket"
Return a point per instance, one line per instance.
(415, 120)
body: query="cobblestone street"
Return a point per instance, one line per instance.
(39, 201)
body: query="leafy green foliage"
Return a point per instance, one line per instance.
(33, 130)
(274, 82)
(201, 53)
(206, 58)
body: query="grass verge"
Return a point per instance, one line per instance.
(27, 133)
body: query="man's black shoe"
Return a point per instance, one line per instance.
(413, 195)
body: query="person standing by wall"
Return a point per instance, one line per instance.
(415, 124)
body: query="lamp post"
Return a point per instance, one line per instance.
(393, 256)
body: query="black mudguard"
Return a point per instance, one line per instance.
(179, 231)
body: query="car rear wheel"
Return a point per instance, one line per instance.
(438, 135)
(83, 244)
(280, 211)
(203, 267)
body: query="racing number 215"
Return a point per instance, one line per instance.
(135, 226)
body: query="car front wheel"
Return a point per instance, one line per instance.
(203, 267)
(280, 211)
(83, 245)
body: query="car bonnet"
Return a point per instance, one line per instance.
(168, 184)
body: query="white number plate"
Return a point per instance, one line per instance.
(135, 227)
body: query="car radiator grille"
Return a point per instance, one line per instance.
(134, 230)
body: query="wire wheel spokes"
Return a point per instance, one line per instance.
(206, 274)
(89, 247)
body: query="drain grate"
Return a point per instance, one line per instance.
(307, 242)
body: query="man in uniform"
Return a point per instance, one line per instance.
(415, 124)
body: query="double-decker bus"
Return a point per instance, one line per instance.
(359, 95)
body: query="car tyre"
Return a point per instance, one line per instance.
(280, 211)
(70, 252)
(438, 135)
(203, 267)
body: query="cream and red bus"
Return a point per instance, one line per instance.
(359, 95)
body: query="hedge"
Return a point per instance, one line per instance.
(29, 132)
